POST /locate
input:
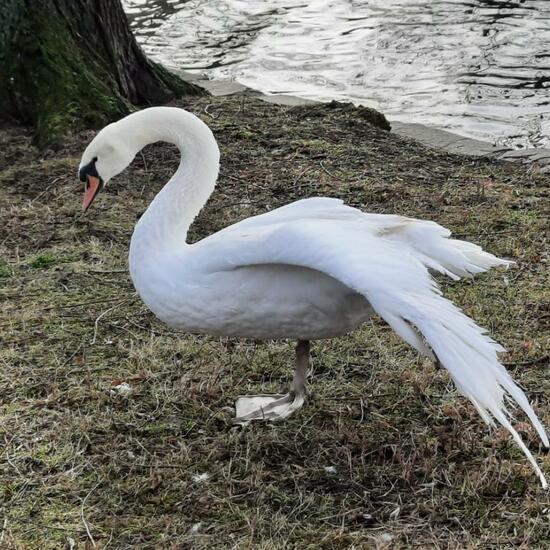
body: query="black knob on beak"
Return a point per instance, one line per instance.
(88, 170)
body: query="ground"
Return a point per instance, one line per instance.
(116, 430)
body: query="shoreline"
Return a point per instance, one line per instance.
(428, 136)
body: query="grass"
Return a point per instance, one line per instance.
(384, 454)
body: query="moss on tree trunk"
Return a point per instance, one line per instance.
(74, 63)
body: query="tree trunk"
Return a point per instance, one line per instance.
(67, 63)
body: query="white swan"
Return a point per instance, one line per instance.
(312, 269)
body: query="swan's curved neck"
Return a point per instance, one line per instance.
(165, 223)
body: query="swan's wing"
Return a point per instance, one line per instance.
(316, 207)
(390, 268)
(325, 208)
(429, 240)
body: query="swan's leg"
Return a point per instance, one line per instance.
(274, 407)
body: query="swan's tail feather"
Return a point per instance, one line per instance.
(438, 252)
(457, 259)
(470, 356)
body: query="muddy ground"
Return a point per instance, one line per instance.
(385, 453)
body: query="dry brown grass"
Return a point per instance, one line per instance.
(385, 454)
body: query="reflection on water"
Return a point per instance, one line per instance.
(477, 67)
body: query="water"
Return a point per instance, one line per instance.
(480, 68)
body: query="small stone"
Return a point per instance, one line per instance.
(121, 389)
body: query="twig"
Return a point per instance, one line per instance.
(48, 187)
(3, 529)
(96, 324)
(69, 359)
(299, 176)
(323, 167)
(105, 272)
(209, 113)
(88, 532)
(88, 371)
(242, 180)
(236, 178)
(78, 304)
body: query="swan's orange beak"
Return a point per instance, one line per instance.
(92, 188)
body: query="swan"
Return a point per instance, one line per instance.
(312, 269)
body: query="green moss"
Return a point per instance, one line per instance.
(56, 88)
(64, 83)
(79, 96)
(10, 13)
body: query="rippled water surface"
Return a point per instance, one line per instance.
(480, 68)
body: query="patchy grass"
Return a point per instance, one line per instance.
(385, 454)
(43, 260)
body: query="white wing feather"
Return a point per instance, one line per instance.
(386, 259)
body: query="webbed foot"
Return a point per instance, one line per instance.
(266, 407)
(276, 407)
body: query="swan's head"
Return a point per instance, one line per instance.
(107, 155)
